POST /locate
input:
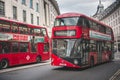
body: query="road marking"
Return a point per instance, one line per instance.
(115, 75)
(23, 67)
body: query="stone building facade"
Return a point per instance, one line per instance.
(111, 17)
(37, 12)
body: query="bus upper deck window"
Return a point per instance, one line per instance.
(4, 26)
(43, 32)
(14, 28)
(37, 31)
(1, 24)
(83, 22)
(23, 29)
(80, 22)
(31, 31)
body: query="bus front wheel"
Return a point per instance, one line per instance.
(4, 64)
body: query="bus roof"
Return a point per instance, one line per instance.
(72, 14)
(69, 15)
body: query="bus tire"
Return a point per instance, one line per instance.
(38, 59)
(4, 64)
(91, 62)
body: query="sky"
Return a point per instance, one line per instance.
(87, 7)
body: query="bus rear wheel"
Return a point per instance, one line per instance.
(4, 64)
(38, 59)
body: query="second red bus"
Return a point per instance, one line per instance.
(22, 43)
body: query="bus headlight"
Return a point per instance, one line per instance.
(75, 61)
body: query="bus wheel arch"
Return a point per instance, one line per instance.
(4, 63)
(38, 59)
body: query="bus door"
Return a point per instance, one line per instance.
(46, 51)
(43, 50)
(85, 51)
(99, 51)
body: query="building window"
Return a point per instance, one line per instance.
(24, 15)
(37, 7)
(14, 12)
(37, 20)
(2, 8)
(31, 18)
(31, 3)
(24, 2)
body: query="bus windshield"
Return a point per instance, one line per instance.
(66, 47)
(71, 21)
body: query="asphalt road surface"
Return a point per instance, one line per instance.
(48, 72)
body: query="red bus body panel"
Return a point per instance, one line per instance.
(57, 61)
(18, 58)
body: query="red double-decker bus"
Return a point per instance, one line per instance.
(22, 43)
(79, 41)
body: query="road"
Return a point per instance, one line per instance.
(48, 72)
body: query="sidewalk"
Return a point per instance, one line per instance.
(25, 66)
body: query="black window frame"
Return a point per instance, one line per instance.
(5, 47)
(84, 22)
(15, 27)
(108, 31)
(23, 29)
(23, 47)
(14, 12)
(24, 16)
(2, 8)
(46, 47)
(24, 2)
(15, 48)
(5, 26)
